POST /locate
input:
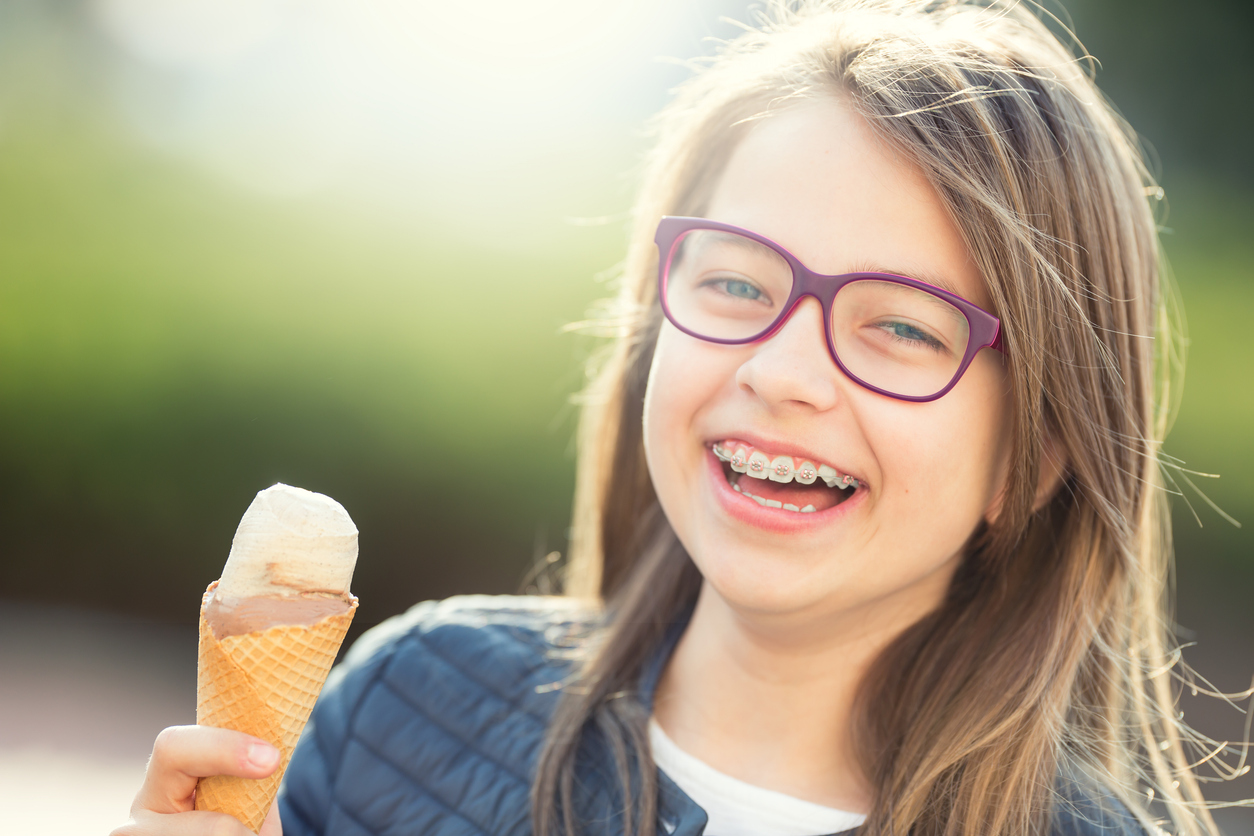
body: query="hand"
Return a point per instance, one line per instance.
(166, 803)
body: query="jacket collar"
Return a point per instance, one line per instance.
(678, 814)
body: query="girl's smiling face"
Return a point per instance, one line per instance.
(816, 180)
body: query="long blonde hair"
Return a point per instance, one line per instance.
(1046, 664)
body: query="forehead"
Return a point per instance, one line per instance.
(818, 181)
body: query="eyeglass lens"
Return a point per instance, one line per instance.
(895, 337)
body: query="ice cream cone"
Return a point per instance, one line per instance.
(264, 684)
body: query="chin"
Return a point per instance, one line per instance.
(767, 584)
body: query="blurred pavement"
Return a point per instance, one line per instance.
(82, 695)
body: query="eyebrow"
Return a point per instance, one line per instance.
(739, 241)
(934, 279)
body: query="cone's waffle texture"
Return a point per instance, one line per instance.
(264, 684)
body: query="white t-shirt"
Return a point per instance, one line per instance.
(739, 809)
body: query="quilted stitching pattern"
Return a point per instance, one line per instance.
(433, 724)
(435, 728)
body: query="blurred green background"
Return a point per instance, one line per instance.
(335, 245)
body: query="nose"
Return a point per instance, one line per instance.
(793, 367)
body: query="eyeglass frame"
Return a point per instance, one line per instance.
(984, 329)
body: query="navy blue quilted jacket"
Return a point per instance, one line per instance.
(433, 723)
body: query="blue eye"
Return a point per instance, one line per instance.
(908, 333)
(741, 289)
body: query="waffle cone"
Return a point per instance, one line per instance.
(264, 684)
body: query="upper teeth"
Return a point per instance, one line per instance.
(758, 463)
(755, 463)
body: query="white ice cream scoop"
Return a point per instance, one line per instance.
(291, 541)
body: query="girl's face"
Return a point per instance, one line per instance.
(816, 180)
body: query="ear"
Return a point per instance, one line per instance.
(1054, 465)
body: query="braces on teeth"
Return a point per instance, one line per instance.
(783, 469)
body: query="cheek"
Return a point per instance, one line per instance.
(658, 409)
(996, 429)
(945, 464)
(974, 434)
(673, 397)
(688, 380)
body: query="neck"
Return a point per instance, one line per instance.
(769, 699)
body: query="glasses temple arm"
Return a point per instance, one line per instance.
(998, 343)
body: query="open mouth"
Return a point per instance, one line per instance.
(781, 481)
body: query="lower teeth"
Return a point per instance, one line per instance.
(772, 503)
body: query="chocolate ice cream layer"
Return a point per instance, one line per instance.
(237, 616)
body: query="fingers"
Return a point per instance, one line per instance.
(183, 754)
(272, 826)
(195, 823)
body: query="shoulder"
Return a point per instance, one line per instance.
(451, 696)
(1086, 809)
(507, 649)
(496, 641)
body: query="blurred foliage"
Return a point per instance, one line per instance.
(1208, 241)
(1178, 72)
(170, 345)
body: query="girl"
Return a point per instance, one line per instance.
(868, 489)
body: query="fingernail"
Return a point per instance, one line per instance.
(262, 755)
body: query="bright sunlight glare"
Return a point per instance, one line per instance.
(295, 98)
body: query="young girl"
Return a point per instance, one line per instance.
(868, 491)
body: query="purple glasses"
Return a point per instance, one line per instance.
(896, 336)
